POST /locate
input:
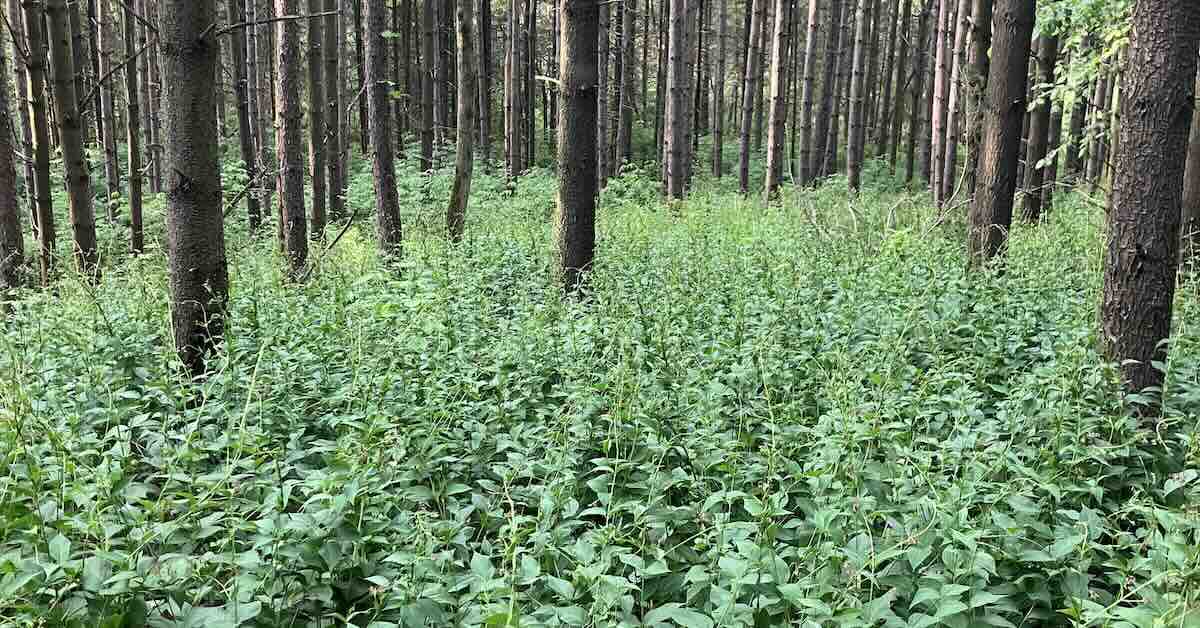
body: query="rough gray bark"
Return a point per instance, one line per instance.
(856, 113)
(1039, 131)
(940, 83)
(133, 136)
(112, 167)
(778, 97)
(575, 222)
(70, 133)
(602, 165)
(199, 279)
(675, 144)
(753, 72)
(289, 137)
(902, 80)
(718, 92)
(808, 91)
(154, 85)
(977, 76)
(236, 14)
(464, 159)
(428, 51)
(1144, 209)
(317, 150)
(387, 207)
(950, 146)
(991, 211)
(12, 244)
(628, 98)
(335, 163)
(35, 74)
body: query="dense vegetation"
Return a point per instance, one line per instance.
(854, 432)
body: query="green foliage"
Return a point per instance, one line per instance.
(802, 415)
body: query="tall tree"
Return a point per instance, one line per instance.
(199, 279)
(484, 42)
(133, 124)
(289, 133)
(1190, 231)
(464, 161)
(825, 112)
(718, 91)
(1144, 210)
(154, 88)
(941, 70)
(957, 89)
(316, 119)
(575, 222)
(112, 168)
(236, 14)
(602, 94)
(808, 92)
(428, 51)
(991, 211)
(902, 80)
(71, 132)
(35, 74)
(753, 57)
(883, 127)
(856, 114)
(387, 205)
(628, 94)
(977, 76)
(335, 163)
(1039, 129)
(360, 62)
(778, 96)
(12, 244)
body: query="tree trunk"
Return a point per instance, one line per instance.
(12, 243)
(92, 81)
(316, 120)
(828, 91)
(464, 161)
(289, 134)
(602, 95)
(387, 205)
(1039, 131)
(1144, 210)
(991, 211)
(856, 114)
(485, 79)
(35, 71)
(575, 224)
(199, 278)
(154, 86)
(78, 182)
(1054, 140)
(917, 117)
(1072, 163)
(438, 62)
(628, 93)
(236, 14)
(883, 127)
(759, 92)
(79, 63)
(778, 97)
(112, 176)
(950, 157)
(1096, 153)
(334, 99)
(977, 77)
(1190, 231)
(428, 52)
(841, 90)
(675, 144)
(808, 89)
(940, 83)
(903, 79)
(751, 89)
(660, 82)
(363, 118)
(17, 23)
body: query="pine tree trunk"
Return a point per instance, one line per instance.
(79, 62)
(1096, 153)
(112, 176)
(1144, 210)
(823, 120)
(464, 161)
(575, 223)
(71, 132)
(400, 46)
(628, 87)
(12, 242)
(751, 89)
(387, 205)
(236, 14)
(903, 80)
(1052, 146)
(133, 131)
(35, 68)
(485, 79)
(363, 118)
(977, 77)
(841, 90)
(718, 92)
(1073, 162)
(147, 103)
(675, 142)
(870, 91)
(660, 82)
(778, 96)
(199, 279)
(16, 22)
(856, 114)
(991, 211)
(808, 89)
(887, 101)
(917, 113)
(1039, 131)
(940, 83)
(154, 76)
(92, 80)
(289, 138)
(602, 95)
(438, 62)
(1190, 230)
(334, 98)
(428, 52)
(950, 146)
(760, 85)
(316, 119)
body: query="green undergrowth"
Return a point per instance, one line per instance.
(800, 415)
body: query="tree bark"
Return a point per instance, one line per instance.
(199, 279)
(977, 78)
(903, 77)
(485, 79)
(808, 91)
(778, 97)
(628, 93)
(751, 89)
(316, 119)
(887, 101)
(71, 131)
(428, 52)
(12, 243)
(1190, 231)
(360, 63)
(112, 172)
(1039, 131)
(154, 86)
(718, 92)
(917, 110)
(1072, 163)
(1097, 153)
(1055, 138)
(289, 134)
(334, 99)
(236, 14)
(602, 94)
(464, 161)
(828, 91)
(35, 72)
(940, 84)
(1144, 210)
(79, 63)
(387, 205)
(856, 114)
(575, 224)
(991, 211)
(950, 145)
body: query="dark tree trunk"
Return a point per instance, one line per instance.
(464, 161)
(71, 132)
(808, 91)
(1190, 231)
(856, 113)
(903, 80)
(199, 278)
(363, 118)
(825, 112)
(289, 141)
(236, 14)
(1052, 145)
(1073, 162)
(316, 120)
(941, 81)
(628, 94)
(334, 98)
(35, 68)
(575, 223)
(977, 77)
(883, 135)
(154, 86)
(602, 95)
(778, 96)
(1039, 131)
(957, 88)
(12, 244)
(428, 52)
(387, 205)
(1144, 209)
(750, 93)
(485, 79)
(917, 111)
(675, 142)
(991, 211)
(1097, 153)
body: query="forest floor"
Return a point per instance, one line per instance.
(801, 415)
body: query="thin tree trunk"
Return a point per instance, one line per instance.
(485, 79)
(940, 83)
(807, 173)
(841, 90)
(35, 68)
(575, 223)
(991, 211)
(12, 242)
(199, 279)
(438, 62)
(1144, 211)
(751, 89)
(602, 95)
(675, 144)
(1073, 163)
(902, 80)
(628, 94)
(428, 51)
(828, 91)
(154, 76)
(79, 62)
(464, 161)
(950, 146)
(335, 166)
(1039, 131)
(718, 92)
(977, 77)
(17, 23)
(887, 101)
(1190, 231)
(133, 122)
(71, 132)
(236, 14)
(1096, 154)
(660, 83)
(856, 114)
(760, 87)
(316, 120)
(1052, 146)
(387, 205)
(917, 115)
(363, 118)
(289, 138)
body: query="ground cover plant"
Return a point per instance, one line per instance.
(807, 414)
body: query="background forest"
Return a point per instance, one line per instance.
(657, 313)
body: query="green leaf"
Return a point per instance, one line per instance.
(677, 613)
(60, 549)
